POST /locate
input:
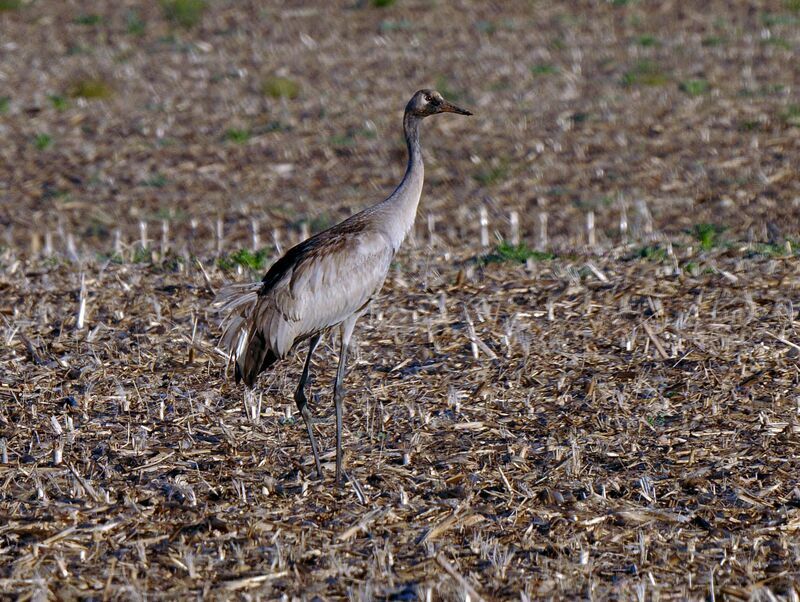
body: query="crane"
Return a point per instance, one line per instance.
(326, 281)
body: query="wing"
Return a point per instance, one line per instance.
(336, 280)
(315, 285)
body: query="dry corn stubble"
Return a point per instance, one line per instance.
(606, 407)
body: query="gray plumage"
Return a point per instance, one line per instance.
(326, 281)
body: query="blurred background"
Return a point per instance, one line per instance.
(212, 114)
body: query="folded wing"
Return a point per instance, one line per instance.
(314, 286)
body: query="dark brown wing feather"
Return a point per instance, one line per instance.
(258, 358)
(327, 241)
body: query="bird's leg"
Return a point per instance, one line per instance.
(338, 391)
(302, 402)
(338, 399)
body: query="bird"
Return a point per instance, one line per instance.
(326, 282)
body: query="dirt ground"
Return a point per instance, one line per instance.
(607, 409)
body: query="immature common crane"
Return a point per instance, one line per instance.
(326, 281)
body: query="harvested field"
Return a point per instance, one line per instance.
(599, 402)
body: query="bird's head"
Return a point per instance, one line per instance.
(430, 102)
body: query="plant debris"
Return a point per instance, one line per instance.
(620, 420)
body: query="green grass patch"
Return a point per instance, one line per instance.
(111, 257)
(382, 3)
(134, 24)
(778, 42)
(561, 192)
(695, 87)
(388, 25)
(489, 175)
(92, 88)
(142, 255)
(506, 24)
(97, 227)
(156, 181)
(544, 69)
(43, 141)
(653, 253)
(280, 87)
(172, 214)
(172, 263)
(123, 56)
(749, 125)
(88, 19)
(251, 260)
(9, 5)
(771, 89)
(503, 83)
(490, 27)
(5, 103)
(773, 19)
(59, 102)
(239, 136)
(647, 41)
(274, 125)
(169, 40)
(707, 235)
(645, 73)
(52, 192)
(320, 222)
(792, 5)
(520, 253)
(343, 140)
(487, 27)
(448, 90)
(791, 115)
(692, 268)
(78, 49)
(349, 138)
(184, 13)
(773, 249)
(712, 41)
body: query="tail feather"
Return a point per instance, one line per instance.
(254, 357)
(248, 372)
(242, 341)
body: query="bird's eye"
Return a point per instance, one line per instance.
(428, 98)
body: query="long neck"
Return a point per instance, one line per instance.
(399, 210)
(411, 131)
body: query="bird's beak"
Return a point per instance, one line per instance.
(449, 107)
